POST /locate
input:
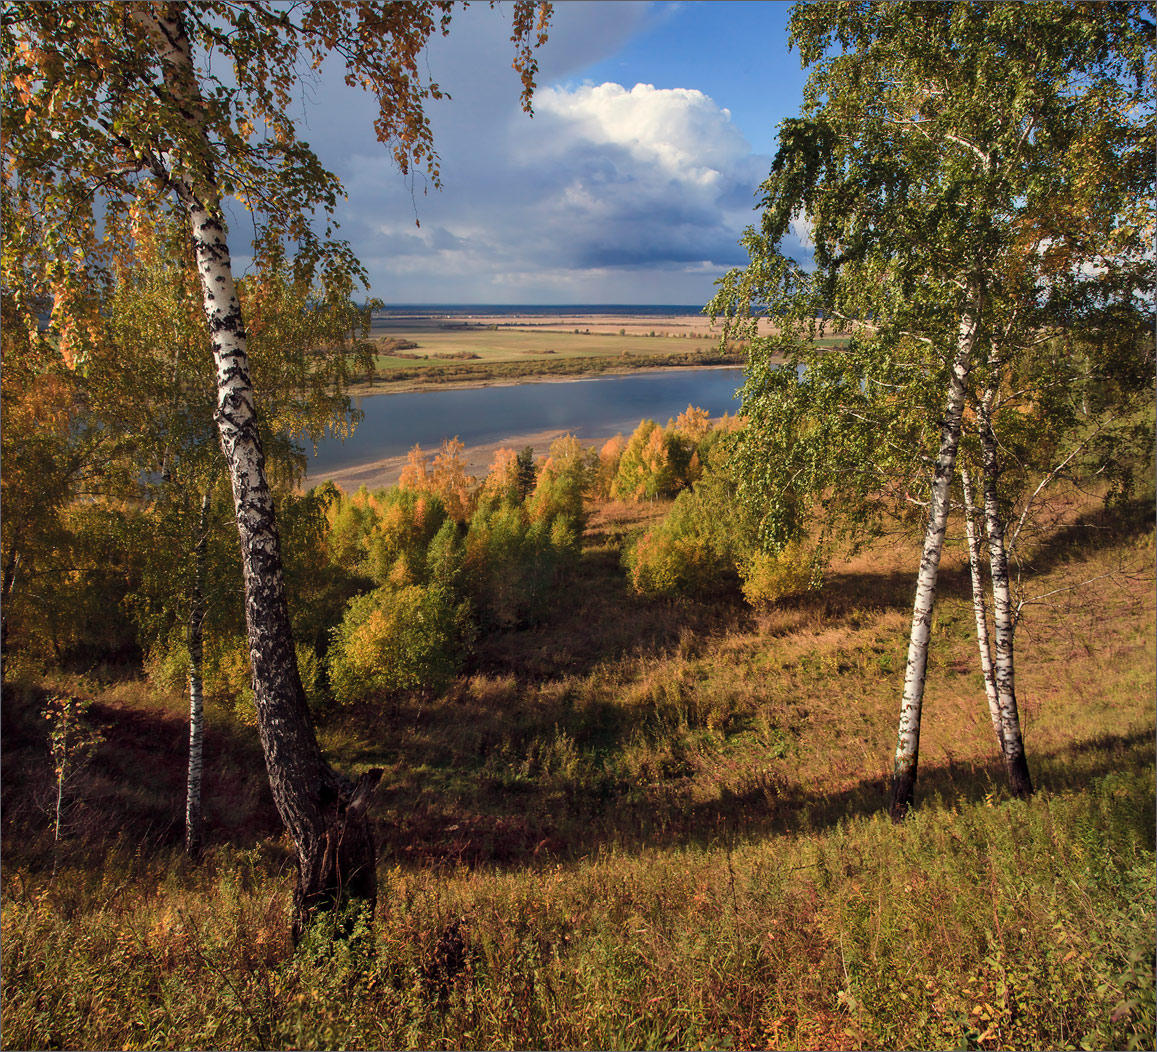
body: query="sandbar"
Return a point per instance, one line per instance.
(379, 474)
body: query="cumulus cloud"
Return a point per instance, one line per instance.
(678, 129)
(609, 194)
(640, 177)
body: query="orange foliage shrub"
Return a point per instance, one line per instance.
(608, 467)
(693, 422)
(446, 478)
(501, 483)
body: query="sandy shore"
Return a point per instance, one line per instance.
(378, 474)
(364, 390)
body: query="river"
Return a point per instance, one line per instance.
(591, 409)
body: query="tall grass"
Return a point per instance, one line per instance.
(641, 824)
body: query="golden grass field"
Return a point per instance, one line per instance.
(476, 350)
(642, 824)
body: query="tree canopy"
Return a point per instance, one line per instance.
(114, 113)
(972, 180)
(91, 123)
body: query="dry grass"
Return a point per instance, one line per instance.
(648, 824)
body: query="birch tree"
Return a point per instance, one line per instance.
(150, 382)
(931, 171)
(980, 606)
(108, 103)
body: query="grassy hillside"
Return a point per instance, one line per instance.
(638, 824)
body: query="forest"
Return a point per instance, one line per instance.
(599, 748)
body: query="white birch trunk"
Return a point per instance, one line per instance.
(1004, 621)
(908, 736)
(983, 642)
(194, 816)
(325, 815)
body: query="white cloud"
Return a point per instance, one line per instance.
(609, 194)
(678, 129)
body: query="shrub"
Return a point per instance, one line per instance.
(497, 564)
(502, 482)
(309, 667)
(655, 463)
(633, 480)
(562, 481)
(664, 564)
(446, 478)
(769, 577)
(225, 673)
(606, 469)
(349, 522)
(697, 547)
(512, 559)
(411, 638)
(407, 521)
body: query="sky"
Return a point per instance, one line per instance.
(654, 124)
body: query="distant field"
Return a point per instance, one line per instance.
(482, 350)
(520, 345)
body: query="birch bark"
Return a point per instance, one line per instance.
(194, 816)
(323, 812)
(908, 736)
(1004, 620)
(983, 640)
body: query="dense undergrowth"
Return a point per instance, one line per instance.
(634, 822)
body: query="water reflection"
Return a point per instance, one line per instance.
(591, 409)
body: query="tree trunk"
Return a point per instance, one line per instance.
(194, 819)
(324, 814)
(978, 607)
(908, 736)
(7, 585)
(1004, 621)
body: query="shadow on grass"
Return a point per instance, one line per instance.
(545, 820)
(131, 789)
(595, 617)
(1102, 528)
(788, 808)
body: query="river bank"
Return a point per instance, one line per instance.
(486, 418)
(457, 347)
(384, 472)
(584, 370)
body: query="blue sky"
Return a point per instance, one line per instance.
(654, 125)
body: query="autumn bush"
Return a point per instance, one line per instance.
(394, 639)
(659, 462)
(697, 547)
(512, 560)
(441, 577)
(445, 477)
(606, 468)
(226, 676)
(653, 464)
(771, 576)
(563, 481)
